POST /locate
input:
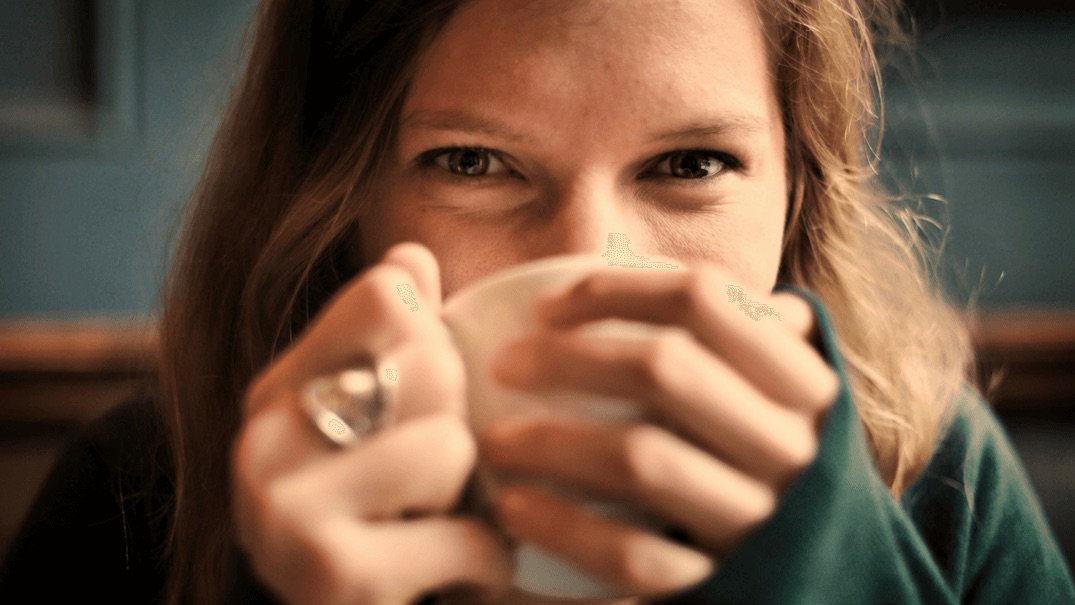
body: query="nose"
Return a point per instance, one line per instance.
(591, 219)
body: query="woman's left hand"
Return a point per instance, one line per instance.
(737, 403)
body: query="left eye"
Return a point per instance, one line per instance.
(691, 165)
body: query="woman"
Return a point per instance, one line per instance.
(433, 143)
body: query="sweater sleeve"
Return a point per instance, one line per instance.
(969, 530)
(980, 517)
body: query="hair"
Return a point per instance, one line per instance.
(290, 175)
(860, 249)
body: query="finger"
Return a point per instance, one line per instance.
(644, 464)
(367, 317)
(679, 384)
(435, 554)
(412, 394)
(281, 418)
(413, 390)
(416, 468)
(362, 322)
(796, 314)
(420, 263)
(617, 553)
(391, 563)
(775, 358)
(257, 456)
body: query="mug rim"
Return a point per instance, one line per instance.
(469, 291)
(495, 279)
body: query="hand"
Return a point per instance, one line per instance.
(737, 404)
(368, 523)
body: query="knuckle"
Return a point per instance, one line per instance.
(432, 379)
(450, 371)
(378, 286)
(642, 460)
(659, 362)
(693, 298)
(590, 287)
(456, 446)
(443, 381)
(382, 300)
(701, 292)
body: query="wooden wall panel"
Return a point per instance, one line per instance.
(1031, 356)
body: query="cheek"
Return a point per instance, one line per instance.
(755, 257)
(768, 241)
(463, 253)
(389, 221)
(463, 261)
(754, 240)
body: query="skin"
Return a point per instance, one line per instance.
(571, 100)
(576, 98)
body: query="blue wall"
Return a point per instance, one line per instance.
(88, 207)
(985, 119)
(92, 182)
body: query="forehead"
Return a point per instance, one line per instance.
(642, 56)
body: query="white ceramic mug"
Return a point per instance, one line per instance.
(487, 314)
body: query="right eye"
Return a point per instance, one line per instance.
(467, 161)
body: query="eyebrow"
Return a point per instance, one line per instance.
(734, 124)
(462, 121)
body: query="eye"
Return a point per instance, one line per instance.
(694, 164)
(467, 161)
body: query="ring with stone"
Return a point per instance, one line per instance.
(348, 405)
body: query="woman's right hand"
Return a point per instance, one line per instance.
(368, 523)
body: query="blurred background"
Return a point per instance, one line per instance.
(107, 108)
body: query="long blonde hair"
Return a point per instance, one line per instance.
(860, 249)
(273, 220)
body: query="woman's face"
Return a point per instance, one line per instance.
(538, 128)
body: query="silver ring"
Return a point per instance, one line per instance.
(348, 405)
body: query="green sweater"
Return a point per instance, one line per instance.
(968, 530)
